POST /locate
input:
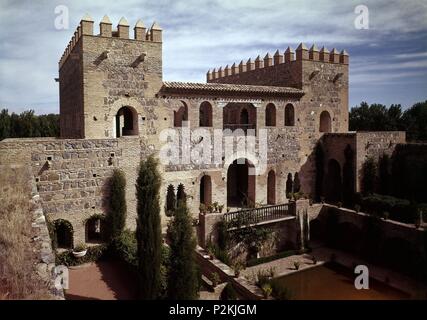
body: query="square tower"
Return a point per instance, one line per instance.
(100, 73)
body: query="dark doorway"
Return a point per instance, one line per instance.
(240, 185)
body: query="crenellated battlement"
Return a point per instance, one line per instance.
(288, 57)
(86, 28)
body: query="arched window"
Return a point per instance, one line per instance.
(271, 187)
(180, 116)
(206, 190)
(126, 122)
(95, 229)
(289, 115)
(270, 115)
(63, 234)
(325, 122)
(205, 114)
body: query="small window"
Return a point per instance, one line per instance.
(270, 115)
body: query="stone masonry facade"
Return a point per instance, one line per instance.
(114, 105)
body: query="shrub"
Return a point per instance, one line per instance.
(94, 253)
(182, 277)
(399, 209)
(80, 247)
(229, 293)
(148, 232)
(369, 171)
(296, 265)
(125, 248)
(266, 290)
(284, 254)
(215, 278)
(117, 214)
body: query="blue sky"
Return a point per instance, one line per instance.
(388, 61)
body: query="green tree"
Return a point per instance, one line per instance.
(182, 277)
(117, 213)
(148, 228)
(170, 200)
(369, 172)
(415, 122)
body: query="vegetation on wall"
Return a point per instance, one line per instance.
(319, 161)
(117, 210)
(27, 124)
(182, 281)
(148, 230)
(369, 172)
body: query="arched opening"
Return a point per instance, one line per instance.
(270, 115)
(239, 116)
(325, 122)
(63, 234)
(289, 186)
(271, 187)
(333, 182)
(180, 116)
(206, 190)
(95, 230)
(205, 114)
(289, 115)
(126, 122)
(240, 185)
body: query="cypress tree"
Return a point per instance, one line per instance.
(117, 213)
(182, 277)
(148, 230)
(170, 200)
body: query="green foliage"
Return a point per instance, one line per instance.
(397, 209)
(384, 177)
(283, 254)
(319, 160)
(182, 277)
(223, 236)
(280, 292)
(369, 172)
(180, 194)
(148, 232)
(94, 253)
(170, 200)
(27, 124)
(117, 214)
(348, 177)
(125, 248)
(297, 183)
(229, 293)
(376, 117)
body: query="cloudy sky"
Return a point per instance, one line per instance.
(388, 61)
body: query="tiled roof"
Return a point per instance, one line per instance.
(212, 88)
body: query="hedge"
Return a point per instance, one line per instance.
(399, 209)
(283, 254)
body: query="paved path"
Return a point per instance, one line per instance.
(104, 280)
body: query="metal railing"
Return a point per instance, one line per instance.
(256, 215)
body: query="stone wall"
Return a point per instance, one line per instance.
(375, 144)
